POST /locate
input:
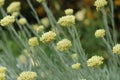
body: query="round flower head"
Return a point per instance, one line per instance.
(7, 20)
(116, 49)
(100, 33)
(13, 7)
(100, 3)
(22, 21)
(2, 76)
(2, 2)
(64, 45)
(40, 1)
(27, 75)
(95, 61)
(48, 37)
(15, 14)
(38, 28)
(67, 21)
(3, 70)
(33, 42)
(69, 11)
(45, 21)
(80, 15)
(22, 59)
(76, 66)
(74, 56)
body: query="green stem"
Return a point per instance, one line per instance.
(52, 20)
(35, 14)
(113, 22)
(108, 35)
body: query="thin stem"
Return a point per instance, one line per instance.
(52, 20)
(35, 14)
(108, 35)
(113, 22)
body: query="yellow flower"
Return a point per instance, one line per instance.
(100, 33)
(100, 3)
(80, 15)
(74, 56)
(69, 11)
(22, 21)
(3, 70)
(76, 66)
(13, 7)
(2, 2)
(38, 28)
(7, 20)
(45, 21)
(33, 42)
(95, 61)
(22, 59)
(67, 21)
(2, 76)
(116, 49)
(15, 14)
(27, 75)
(48, 37)
(64, 45)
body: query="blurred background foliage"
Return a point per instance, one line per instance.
(87, 20)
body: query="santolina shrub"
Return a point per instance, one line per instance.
(57, 53)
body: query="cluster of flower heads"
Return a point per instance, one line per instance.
(33, 42)
(48, 37)
(116, 49)
(69, 11)
(7, 20)
(2, 73)
(64, 45)
(95, 61)
(74, 56)
(22, 21)
(38, 28)
(76, 66)
(100, 33)
(68, 20)
(13, 7)
(27, 75)
(100, 3)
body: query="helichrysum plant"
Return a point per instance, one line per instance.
(57, 53)
(22, 21)
(64, 45)
(100, 4)
(27, 75)
(67, 21)
(48, 37)
(13, 7)
(100, 33)
(76, 66)
(95, 61)
(69, 11)
(7, 20)
(33, 42)
(116, 49)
